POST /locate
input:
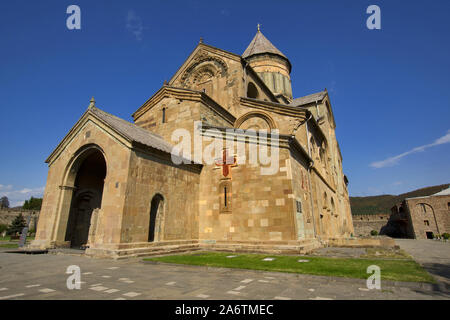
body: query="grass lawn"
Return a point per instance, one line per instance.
(394, 270)
(9, 245)
(8, 238)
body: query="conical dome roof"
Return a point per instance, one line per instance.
(260, 44)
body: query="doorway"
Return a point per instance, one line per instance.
(156, 216)
(87, 196)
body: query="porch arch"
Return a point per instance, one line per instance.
(81, 193)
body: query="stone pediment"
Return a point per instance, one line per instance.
(183, 94)
(204, 61)
(124, 132)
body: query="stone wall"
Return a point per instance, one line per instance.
(429, 215)
(364, 224)
(8, 215)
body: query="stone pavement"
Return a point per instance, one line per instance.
(44, 277)
(433, 255)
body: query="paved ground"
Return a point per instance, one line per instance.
(43, 277)
(433, 255)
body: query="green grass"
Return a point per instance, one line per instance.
(394, 270)
(9, 245)
(8, 238)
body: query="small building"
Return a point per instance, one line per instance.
(421, 217)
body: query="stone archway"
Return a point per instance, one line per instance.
(156, 218)
(255, 120)
(89, 172)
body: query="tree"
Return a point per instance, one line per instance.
(4, 202)
(32, 204)
(17, 225)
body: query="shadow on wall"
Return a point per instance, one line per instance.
(398, 223)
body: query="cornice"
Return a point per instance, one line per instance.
(274, 107)
(184, 94)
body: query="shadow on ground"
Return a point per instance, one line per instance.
(438, 269)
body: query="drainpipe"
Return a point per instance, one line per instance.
(309, 177)
(246, 78)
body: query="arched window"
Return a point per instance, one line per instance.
(252, 92)
(328, 110)
(225, 194)
(322, 155)
(333, 208)
(156, 218)
(164, 120)
(325, 200)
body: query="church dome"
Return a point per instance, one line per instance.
(270, 64)
(260, 45)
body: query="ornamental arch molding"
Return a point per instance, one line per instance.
(203, 66)
(267, 119)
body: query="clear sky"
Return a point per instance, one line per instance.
(389, 88)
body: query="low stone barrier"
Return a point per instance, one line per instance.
(372, 242)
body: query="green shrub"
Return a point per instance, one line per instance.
(3, 227)
(446, 236)
(32, 204)
(17, 225)
(374, 233)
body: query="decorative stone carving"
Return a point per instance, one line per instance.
(203, 66)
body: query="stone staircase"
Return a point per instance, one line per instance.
(171, 247)
(274, 247)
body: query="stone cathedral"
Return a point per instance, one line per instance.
(114, 189)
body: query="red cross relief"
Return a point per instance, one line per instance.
(226, 163)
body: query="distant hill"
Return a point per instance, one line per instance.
(384, 203)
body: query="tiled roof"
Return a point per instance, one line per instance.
(308, 99)
(444, 192)
(260, 44)
(132, 132)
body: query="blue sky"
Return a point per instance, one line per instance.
(389, 88)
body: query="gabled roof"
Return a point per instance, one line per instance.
(128, 131)
(184, 94)
(308, 99)
(206, 47)
(259, 45)
(132, 132)
(444, 192)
